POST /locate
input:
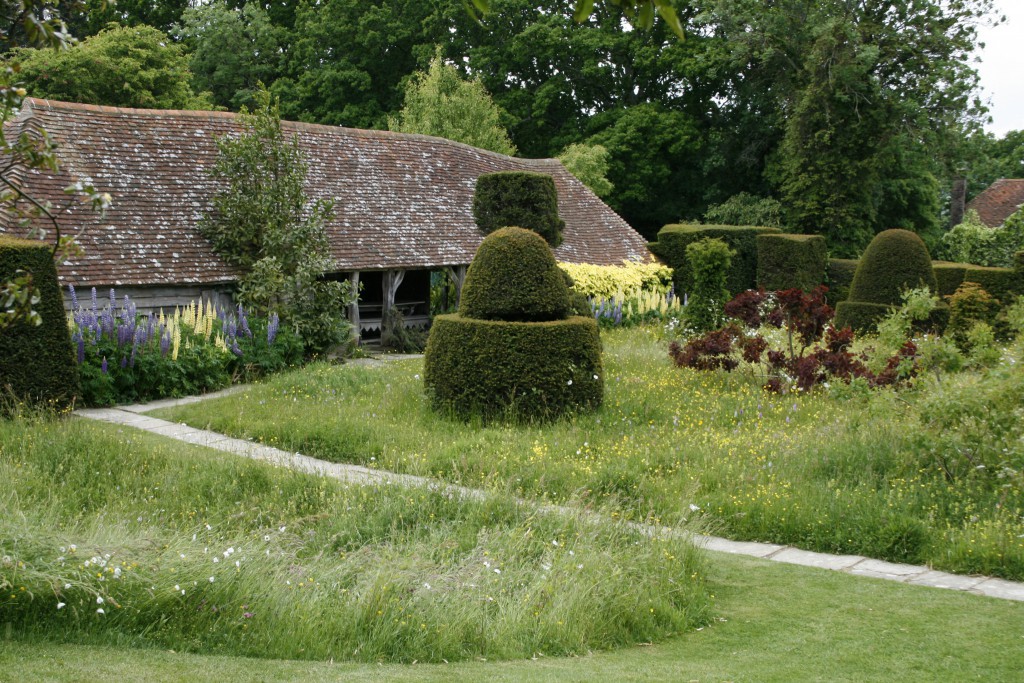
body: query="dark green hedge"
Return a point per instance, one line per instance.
(673, 240)
(37, 363)
(894, 261)
(949, 276)
(529, 200)
(999, 282)
(513, 370)
(514, 276)
(840, 273)
(791, 261)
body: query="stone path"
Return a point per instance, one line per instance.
(132, 416)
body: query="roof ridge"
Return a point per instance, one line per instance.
(35, 103)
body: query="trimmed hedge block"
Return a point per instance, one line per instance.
(673, 240)
(949, 276)
(37, 363)
(791, 261)
(499, 369)
(840, 273)
(514, 276)
(529, 200)
(894, 261)
(999, 282)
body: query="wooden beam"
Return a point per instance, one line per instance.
(392, 280)
(458, 274)
(353, 308)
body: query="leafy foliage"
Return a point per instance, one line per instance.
(119, 66)
(439, 102)
(791, 261)
(233, 49)
(815, 351)
(263, 222)
(589, 163)
(974, 242)
(746, 209)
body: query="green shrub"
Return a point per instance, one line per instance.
(970, 304)
(37, 362)
(673, 240)
(528, 200)
(499, 369)
(709, 261)
(840, 273)
(791, 261)
(514, 277)
(861, 316)
(948, 276)
(746, 209)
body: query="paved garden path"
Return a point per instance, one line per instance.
(133, 416)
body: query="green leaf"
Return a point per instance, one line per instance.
(583, 10)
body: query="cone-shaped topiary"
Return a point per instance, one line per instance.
(514, 277)
(529, 200)
(513, 351)
(895, 260)
(37, 363)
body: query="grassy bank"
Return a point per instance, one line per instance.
(776, 623)
(111, 536)
(880, 474)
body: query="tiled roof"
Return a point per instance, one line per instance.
(999, 201)
(400, 201)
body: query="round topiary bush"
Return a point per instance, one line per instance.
(895, 260)
(529, 200)
(513, 370)
(514, 277)
(513, 351)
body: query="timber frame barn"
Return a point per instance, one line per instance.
(402, 206)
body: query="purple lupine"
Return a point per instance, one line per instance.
(74, 298)
(165, 342)
(671, 293)
(103, 365)
(81, 348)
(95, 304)
(272, 324)
(124, 362)
(243, 322)
(113, 299)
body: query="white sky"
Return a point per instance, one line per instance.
(1002, 68)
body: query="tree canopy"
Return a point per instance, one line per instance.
(440, 102)
(119, 66)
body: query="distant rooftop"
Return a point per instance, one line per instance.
(400, 201)
(999, 201)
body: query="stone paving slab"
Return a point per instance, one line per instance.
(998, 588)
(174, 402)
(131, 416)
(937, 579)
(880, 569)
(820, 560)
(724, 545)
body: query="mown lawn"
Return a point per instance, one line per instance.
(884, 474)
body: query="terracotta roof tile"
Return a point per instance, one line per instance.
(999, 201)
(400, 201)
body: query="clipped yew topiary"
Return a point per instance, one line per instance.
(791, 261)
(37, 362)
(513, 351)
(527, 200)
(839, 274)
(514, 276)
(896, 260)
(674, 239)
